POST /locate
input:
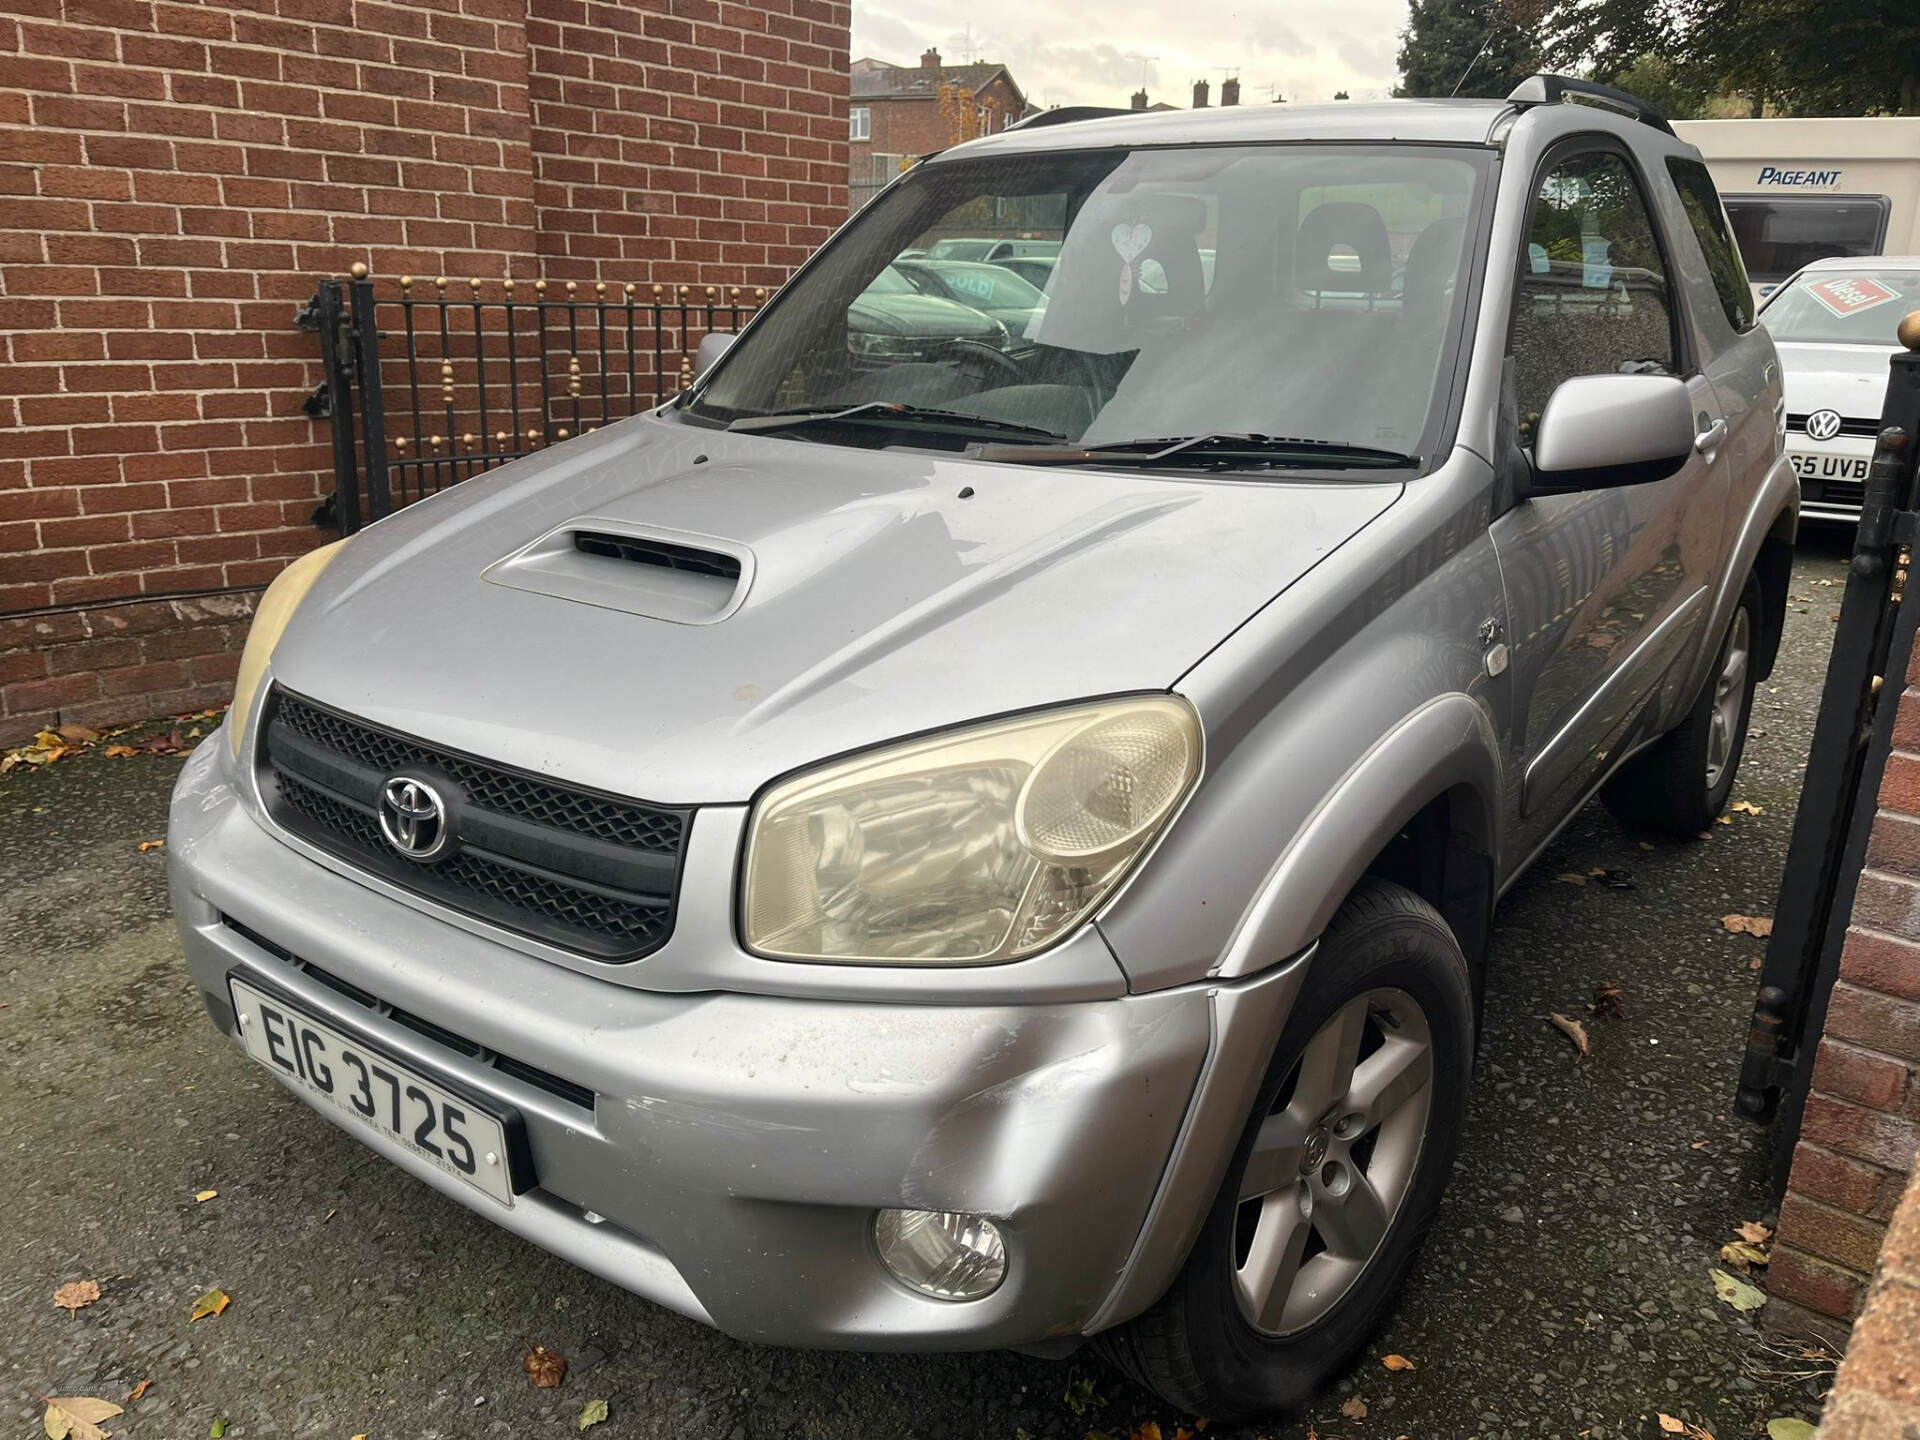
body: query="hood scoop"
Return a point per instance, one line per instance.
(676, 576)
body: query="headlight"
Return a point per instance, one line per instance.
(270, 618)
(985, 844)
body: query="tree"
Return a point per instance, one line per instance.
(963, 113)
(1464, 47)
(1674, 90)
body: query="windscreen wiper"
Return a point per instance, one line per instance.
(1203, 449)
(894, 413)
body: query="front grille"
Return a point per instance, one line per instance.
(533, 1075)
(586, 871)
(1835, 492)
(1863, 429)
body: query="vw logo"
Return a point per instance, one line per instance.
(413, 817)
(1823, 424)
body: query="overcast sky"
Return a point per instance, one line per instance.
(1084, 52)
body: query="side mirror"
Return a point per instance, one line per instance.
(1599, 431)
(712, 346)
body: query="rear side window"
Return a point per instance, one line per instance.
(1592, 298)
(1702, 204)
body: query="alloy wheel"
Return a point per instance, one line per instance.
(1729, 696)
(1333, 1161)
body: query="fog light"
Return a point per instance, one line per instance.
(940, 1253)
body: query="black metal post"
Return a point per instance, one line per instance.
(333, 347)
(373, 412)
(1852, 731)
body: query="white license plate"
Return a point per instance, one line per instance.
(447, 1130)
(1828, 467)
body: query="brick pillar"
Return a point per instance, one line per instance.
(1861, 1130)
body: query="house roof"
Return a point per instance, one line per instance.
(878, 80)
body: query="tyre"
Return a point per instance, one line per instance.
(1336, 1179)
(1678, 786)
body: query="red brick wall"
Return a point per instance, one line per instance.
(174, 177)
(1861, 1131)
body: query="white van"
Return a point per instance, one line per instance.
(1804, 190)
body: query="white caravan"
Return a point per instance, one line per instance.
(1804, 190)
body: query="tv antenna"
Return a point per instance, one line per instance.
(1145, 61)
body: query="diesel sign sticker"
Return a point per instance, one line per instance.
(1850, 294)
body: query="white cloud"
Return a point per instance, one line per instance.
(1094, 52)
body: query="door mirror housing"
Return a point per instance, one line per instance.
(712, 346)
(1599, 431)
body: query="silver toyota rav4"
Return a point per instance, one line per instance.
(994, 844)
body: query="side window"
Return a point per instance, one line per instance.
(1702, 204)
(1592, 297)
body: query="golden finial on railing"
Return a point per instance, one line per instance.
(709, 294)
(629, 290)
(446, 381)
(540, 287)
(400, 444)
(466, 440)
(736, 294)
(406, 283)
(474, 285)
(440, 283)
(533, 436)
(683, 290)
(500, 438)
(571, 287)
(600, 287)
(561, 433)
(508, 283)
(435, 442)
(656, 292)
(573, 376)
(358, 270)
(759, 292)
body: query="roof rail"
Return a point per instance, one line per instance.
(1067, 114)
(1553, 89)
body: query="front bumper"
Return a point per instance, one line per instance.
(1832, 473)
(736, 1146)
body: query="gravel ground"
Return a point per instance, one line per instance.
(1564, 1292)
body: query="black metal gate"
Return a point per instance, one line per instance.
(431, 382)
(1852, 735)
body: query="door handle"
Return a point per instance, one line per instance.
(1708, 440)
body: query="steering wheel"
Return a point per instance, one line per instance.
(998, 364)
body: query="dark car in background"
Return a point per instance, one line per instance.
(992, 289)
(894, 319)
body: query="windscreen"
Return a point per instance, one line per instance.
(1779, 235)
(1304, 291)
(1843, 307)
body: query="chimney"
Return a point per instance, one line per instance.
(1230, 90)
(930, 59)
(1200, 94)
(1140, 98)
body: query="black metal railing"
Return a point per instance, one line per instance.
(431, 382)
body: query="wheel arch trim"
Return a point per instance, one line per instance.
(1447, 747)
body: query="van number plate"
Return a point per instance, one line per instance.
(1828, 467)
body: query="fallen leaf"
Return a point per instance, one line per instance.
(1607, 1001)
(120, 752)
(211, 1303)
(544, 1368)
(1761, 925)
(77, 1417)
(592, 1413)
(1398, 1363)
(1150, 1430)
(138, 1390)
(1786, 1427)
(1723, 820)
(1672, 1426)
(1747, 807)
(1574, 1031)
(146, 845)
(1354, 1409)
(217, 1428)
(1753, 1232)
(78, 734)
(1699, 1144)
(75, 1294)
(1742, 1256)
(1736, 1292)
(1569, 878)
(206, 1195)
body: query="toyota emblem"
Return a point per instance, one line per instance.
(413, 817)
(1823, 424)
